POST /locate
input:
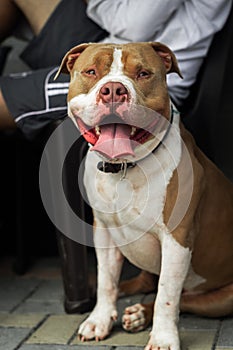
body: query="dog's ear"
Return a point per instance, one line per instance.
(70, 58)
(168, 57)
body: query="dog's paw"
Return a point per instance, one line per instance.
(162, 347)
(156, 347)
(97, 326)
(164, 340)
(137, 317)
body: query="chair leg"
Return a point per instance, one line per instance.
(74, 266)
(73, 254)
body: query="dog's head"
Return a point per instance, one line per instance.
(117, 93)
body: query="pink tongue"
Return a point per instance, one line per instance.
(114, 141)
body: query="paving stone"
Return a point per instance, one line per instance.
(96, 347)
(192, 322)
(14, 290)
(57, 329)
(190, 340)
(41, 306)
(20, 320)
(118, 338)
(62, 347)
(10, 338)
(52, 290)
(197, 340)
(47, 298)
(43, 347)
(129, 348)
(26, 302)
(225, 339)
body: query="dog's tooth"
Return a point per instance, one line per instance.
(133, 130)
(97, 130)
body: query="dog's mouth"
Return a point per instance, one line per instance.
(115, 139)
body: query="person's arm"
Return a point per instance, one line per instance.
(133, 20)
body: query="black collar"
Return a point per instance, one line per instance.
(107, 167)
(114, 168)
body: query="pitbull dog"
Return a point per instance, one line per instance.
(156, 198)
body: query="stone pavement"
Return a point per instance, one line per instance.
(32, 317)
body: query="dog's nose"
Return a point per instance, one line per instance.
(113, 92)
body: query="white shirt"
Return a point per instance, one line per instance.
(186, 26)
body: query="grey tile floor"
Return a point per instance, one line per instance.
(32, 317)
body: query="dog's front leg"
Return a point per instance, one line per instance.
(98, 325)
(174, 268)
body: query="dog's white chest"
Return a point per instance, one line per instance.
(132, 209)
(130, 205)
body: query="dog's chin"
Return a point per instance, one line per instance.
(118, 142)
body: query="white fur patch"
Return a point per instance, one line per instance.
(117, 65)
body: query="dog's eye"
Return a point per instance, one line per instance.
(142, 74)
(90, 72)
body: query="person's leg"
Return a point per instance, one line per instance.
(9, 15)
(11, 11)
(6, 119)
(33, 100)
(30, 95)
(37, 12)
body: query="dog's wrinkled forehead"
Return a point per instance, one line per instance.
(100, 62)
(94, 56)
(101, 58)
